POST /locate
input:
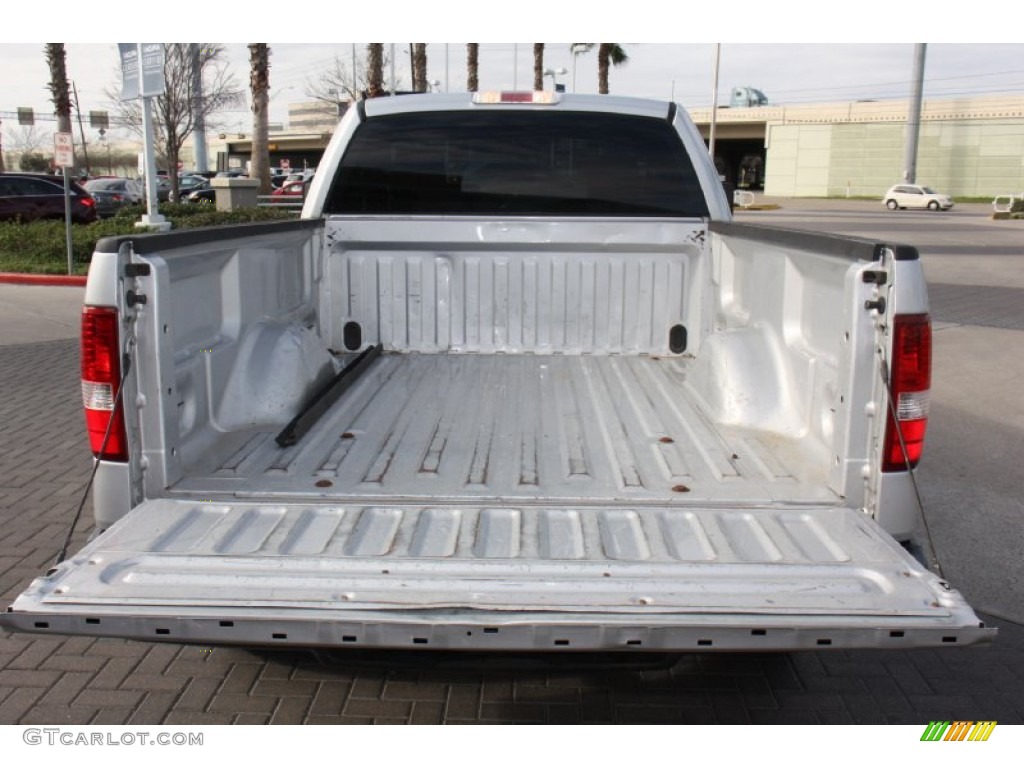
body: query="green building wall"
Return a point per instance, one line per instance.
(976, 158)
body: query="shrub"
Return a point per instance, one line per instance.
(40, 247)
(34, 162)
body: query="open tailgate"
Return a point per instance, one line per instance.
(503, 578)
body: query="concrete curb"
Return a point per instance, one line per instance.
(18, 278)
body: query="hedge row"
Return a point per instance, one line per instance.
(40, 247)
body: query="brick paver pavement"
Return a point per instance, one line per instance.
(62, 680)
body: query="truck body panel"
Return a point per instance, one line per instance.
(623, 430)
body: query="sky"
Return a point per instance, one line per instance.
(794, 52)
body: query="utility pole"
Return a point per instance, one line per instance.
(81, 130)
(199, 134)
(714, 106)
(914, 116)
(392, 69)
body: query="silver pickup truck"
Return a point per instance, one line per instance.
(514, 381)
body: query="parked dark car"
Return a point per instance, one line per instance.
(113, 194)
(187, 183)
(28, 196)
(190, 182)
(206, 194)
(163, 189)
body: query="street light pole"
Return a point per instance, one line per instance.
(200, 160)
(714, 107)
(577, 49)
(914, 116)
(81, 130)
(552, 73)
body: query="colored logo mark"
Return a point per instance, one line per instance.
(958, 730)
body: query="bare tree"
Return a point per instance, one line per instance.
(538, 66)
(28, 141)
(177, 110)
(472, 67)
(339, 85)
(419, 59)
(375, 69)
(28, 138)
(259, 83)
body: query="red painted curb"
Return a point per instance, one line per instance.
(18, 278)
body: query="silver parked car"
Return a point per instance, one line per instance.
(916, 196)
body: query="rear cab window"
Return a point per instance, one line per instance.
(505, 163)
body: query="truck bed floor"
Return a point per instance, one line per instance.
(528, 428)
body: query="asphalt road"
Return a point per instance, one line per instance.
(972, 491)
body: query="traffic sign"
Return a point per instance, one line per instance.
(63, 150)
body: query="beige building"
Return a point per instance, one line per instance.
(968, 147)
(314, 116)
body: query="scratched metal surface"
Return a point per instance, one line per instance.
(537, 576)
(577, 429)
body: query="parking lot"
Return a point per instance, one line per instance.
(972, 494)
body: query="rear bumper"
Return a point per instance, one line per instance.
(500, 631)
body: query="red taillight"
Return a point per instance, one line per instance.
(101, 377)
(88, 202)
(910, 380)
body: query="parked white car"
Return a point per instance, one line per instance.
(916, 196)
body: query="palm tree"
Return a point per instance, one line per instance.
(419, 59)
(538, 66)
(472, 67)
(608, 52)
(259, 82)
(375, 67)
(59, 91)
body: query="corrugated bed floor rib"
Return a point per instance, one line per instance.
(530, 428)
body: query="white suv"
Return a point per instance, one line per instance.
(915, 196)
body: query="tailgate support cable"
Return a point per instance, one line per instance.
(933, 560)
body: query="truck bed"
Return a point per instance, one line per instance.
(592, 430)
(605, 416)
